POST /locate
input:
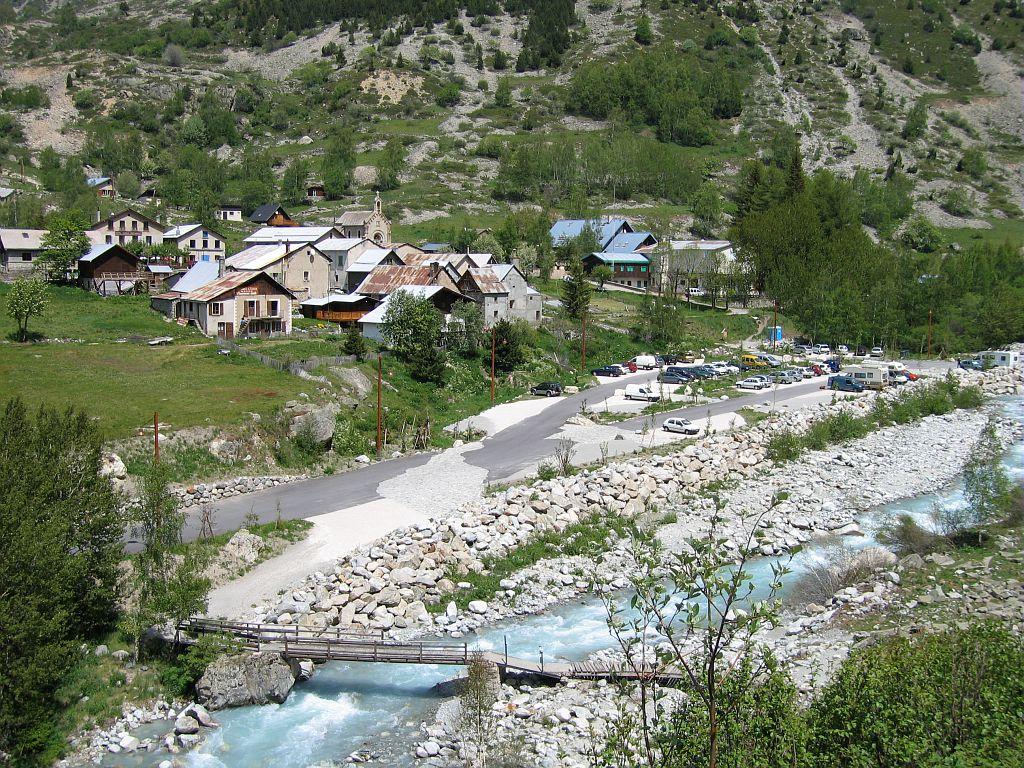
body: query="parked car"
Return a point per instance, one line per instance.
(877, 352)
(802, 349)
(754, 382)
(703, 372)
(821, 370)
(629, 365)
(547, 389)
(623, 367)
(678, 424)
(723, 368)
(844, 384)
(673, 378)
(862, 351)
(911, 376)
(608, 370)
(670, 359)
(971, 364)
(641, 392)
(842, 349)
(697, 292)
(822, 349)
(809, 372)
(789, 377)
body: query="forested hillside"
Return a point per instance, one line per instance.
(462, 111)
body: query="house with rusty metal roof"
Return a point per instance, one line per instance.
(236, 304)
(383, 280)
(503, 293)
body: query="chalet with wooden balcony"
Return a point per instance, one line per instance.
(110, 269)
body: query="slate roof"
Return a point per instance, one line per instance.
(569, 229)
(629, 242)
(264, 213)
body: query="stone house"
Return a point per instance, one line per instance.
(20, 249)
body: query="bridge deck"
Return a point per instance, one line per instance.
(334, 644)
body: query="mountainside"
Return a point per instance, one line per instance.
(458, 108)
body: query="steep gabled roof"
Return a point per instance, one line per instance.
(198, 275)
(179, 231)
(157, 226)
(568, 229)
(101, 249)
(486, 281)
(630, 242)
(265, 212)
(372, 258)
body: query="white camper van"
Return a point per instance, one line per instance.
(1001, 357)
(641, 392)
(871, 376)
(646, 362)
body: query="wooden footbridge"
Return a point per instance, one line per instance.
(357, 645)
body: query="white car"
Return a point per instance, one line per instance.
(822, 349)
(754, 382)
(842, 349)
(877, 352)
(677, 424)
(697, 292)
(723, 368)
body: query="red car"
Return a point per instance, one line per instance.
(630, 365)
(910, 376)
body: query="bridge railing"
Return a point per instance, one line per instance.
(271, 632)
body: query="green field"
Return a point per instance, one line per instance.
(76, 314)
(121, 385)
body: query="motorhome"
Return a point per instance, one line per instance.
(1001, 357)
(871, 376)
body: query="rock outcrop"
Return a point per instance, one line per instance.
(252, 678)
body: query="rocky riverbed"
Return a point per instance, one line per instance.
(387, 586)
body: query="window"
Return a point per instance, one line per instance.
(511, 303)
(110, 224)
(305, 277)
(216, 243)
(311, 257)
(252, 309)
(121, 224)
(206, 244)
(26, 257)
(216, 308)
(191, 243)
(495, 313)
(109, 239)
(538, 314)
(206, 257)
(643, 269)
(149, 239)
(145, 226)
(272, 307)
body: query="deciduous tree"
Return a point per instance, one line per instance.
(26, 298)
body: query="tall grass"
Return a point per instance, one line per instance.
(932, 399)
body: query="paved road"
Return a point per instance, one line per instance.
(502, 455)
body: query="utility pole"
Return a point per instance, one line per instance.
(775, 321)
(929, 333)
(493, 345)
(156, 437)
(380, 421)
(583, 348)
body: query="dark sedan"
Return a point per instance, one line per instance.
(608, 370)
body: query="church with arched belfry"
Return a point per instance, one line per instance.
(372, 225)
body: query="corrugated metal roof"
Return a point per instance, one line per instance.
(32, 239)
(98, 181)
(486, 280)
(376, 315)
(200, 274)
(229, 281)
(385, 279)
(296, 235)
(629, 242)
(6, 192)
(502, 270)
(257, 257)
(622, 258)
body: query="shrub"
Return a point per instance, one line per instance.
(905, 536)
(948, 699)
(837, 569)
(957, 202)
(784, 446)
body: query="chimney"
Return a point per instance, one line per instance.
(435, 270)
(97, 215)
(220, 267)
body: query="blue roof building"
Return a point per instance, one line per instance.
(630, 242)
(565, 230)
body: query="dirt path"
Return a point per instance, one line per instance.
(46, 127)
